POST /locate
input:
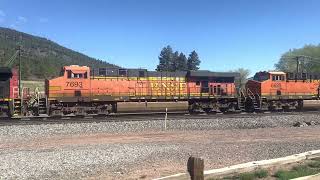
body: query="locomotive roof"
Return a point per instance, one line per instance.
(277, 72)
(137, 72)
(145, 72)
(5, 70)
(204, 73)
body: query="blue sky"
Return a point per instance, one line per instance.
(227, 34)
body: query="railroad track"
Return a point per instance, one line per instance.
(150, 116)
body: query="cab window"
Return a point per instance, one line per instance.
(277, 77)
(71, 75)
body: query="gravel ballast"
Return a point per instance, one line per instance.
(42, 130)
(141, 149)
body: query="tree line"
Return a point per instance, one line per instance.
(40, 57)
(177, 61)
(307, 56)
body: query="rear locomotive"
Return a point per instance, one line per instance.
(281, 91)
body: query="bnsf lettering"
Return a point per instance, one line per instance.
(276, 85)
(74, 84)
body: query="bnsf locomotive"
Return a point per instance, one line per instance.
(83, 91)
(80, 91)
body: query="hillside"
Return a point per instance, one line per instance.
(41, 58)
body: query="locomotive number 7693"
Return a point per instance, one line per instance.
(74, 84)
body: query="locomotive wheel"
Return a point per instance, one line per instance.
(232, 107)
(191, 109)
(300, 105)
(207, 110)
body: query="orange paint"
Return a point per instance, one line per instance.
(276, 84)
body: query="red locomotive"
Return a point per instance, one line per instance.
(9, 90)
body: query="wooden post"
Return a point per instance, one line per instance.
(195, 168)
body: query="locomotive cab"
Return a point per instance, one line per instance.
(74, 83)
(271, 83)
(274, 76)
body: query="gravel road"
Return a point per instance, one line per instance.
(133, 150)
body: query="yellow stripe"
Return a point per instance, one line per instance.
(287, 94)
(54, 88)
(6, 99)
(181, 79)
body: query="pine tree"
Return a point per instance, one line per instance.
(174, 63)
(182, 63)
(165, 59)
(193, 61)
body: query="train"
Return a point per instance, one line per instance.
(81, 91)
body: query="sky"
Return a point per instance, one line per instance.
(227, 34)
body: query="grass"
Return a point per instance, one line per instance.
(306, 169)
(261, 173)
(315, 164)
(249, 176)
(299, 171)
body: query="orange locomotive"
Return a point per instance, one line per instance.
(279, 90)
(79, 91)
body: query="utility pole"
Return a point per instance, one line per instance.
(297, 64)
(20, 69)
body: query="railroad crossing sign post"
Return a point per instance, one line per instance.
(165, 120)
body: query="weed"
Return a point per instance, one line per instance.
(247, 176)
(315, 164)
(261, 173)
(297, 171)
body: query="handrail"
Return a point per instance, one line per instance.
(253, 96)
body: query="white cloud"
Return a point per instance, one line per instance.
(13, 26)
(22, 19)
(43, 20)
(2, 16)
(2, 13)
